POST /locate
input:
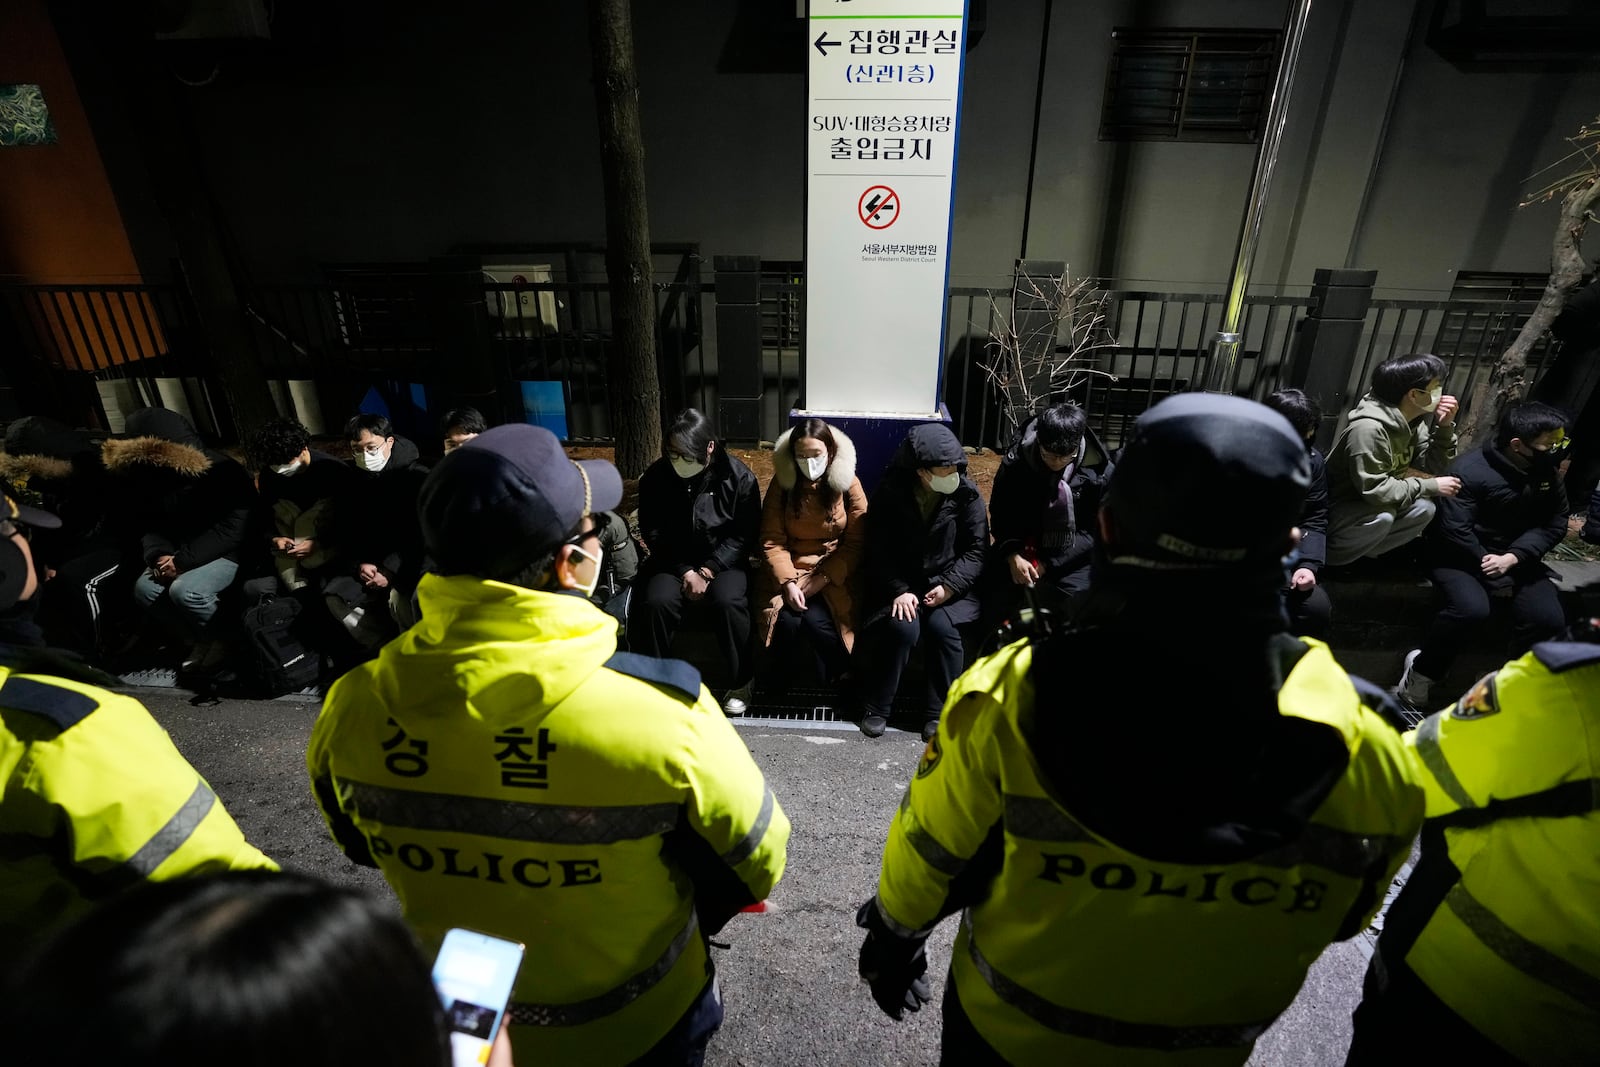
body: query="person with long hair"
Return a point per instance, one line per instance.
(812, 531)
(699, 516)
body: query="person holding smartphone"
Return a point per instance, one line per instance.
(250, 969)
(510, 772)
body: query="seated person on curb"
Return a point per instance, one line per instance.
(619, 565)
(186, 511)
(924, 555)
(1046, 493)
(813, 523)
(1310, 610)
(376, 534)
(1404, 422)
(252, 969)
(1490, 539)
(460, 425)
(509, 770)
(298, 488)
(699, 515)
(95, 797)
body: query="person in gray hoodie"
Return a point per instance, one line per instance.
(1405, 422)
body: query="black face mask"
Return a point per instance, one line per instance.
(1547, 460)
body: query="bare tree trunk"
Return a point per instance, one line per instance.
(632, 385)
(1507, 382)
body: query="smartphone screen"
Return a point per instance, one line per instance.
(474, 974)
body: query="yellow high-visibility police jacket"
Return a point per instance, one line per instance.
(1082, 951)
(1501, 919)
(509, 772)
(94, 798)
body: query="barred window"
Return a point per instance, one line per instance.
(1188, 85)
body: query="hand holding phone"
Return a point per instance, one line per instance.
(474, 974)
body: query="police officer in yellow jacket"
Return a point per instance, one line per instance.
(1491, 952)
(510, 771)
(94, 797)
(1151, 823)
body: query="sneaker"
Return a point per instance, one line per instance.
(204, 654)
(930, 728)
(737, 702)
(1414, 686)
(874, 725)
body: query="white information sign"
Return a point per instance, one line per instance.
(885, 99)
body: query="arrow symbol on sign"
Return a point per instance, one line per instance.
(823, 44)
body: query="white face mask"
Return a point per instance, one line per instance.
(588, 590)
(686, 468)
(814, 467)
(945, 484)
(1434, 397)
(287, 469)
(374, 461)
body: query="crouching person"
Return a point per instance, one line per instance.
(924, 554)
(188, 508)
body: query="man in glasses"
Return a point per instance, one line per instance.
(510, 771)
(1490, 540)
(94, 797)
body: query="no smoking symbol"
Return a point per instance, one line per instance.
(879, 207)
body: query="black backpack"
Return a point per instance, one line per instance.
(276, 662)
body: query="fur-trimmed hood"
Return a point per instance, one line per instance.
(129, 454)
(21, 468)
(841, 471)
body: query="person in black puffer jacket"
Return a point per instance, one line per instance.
(924, 555)
(1491, 539)
(1307, 602)
(186, 511)
(1042, 513)
(376, 535)
(699, 516)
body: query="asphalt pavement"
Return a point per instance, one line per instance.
(789, 976)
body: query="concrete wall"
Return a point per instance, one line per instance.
(59, 221)
(372, 131)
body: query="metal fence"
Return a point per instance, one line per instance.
(92, 352)
(86, 353)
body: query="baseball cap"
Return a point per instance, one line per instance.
(13, 508)
(508, 496)
(1207, 482)
(14, 563)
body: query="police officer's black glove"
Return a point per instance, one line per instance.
(892, 966)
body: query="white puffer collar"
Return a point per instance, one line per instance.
(841, 472)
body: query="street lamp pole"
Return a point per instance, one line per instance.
(1225, 344)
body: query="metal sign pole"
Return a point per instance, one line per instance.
(1225, 345)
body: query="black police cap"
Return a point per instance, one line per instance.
(1207, 482)
(508, 496)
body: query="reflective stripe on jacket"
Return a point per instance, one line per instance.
(94, 798)
(505, 778)
(1510, 938)
(1081, 951)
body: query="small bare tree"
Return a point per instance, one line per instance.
(1507, 383)
(1046, 342)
